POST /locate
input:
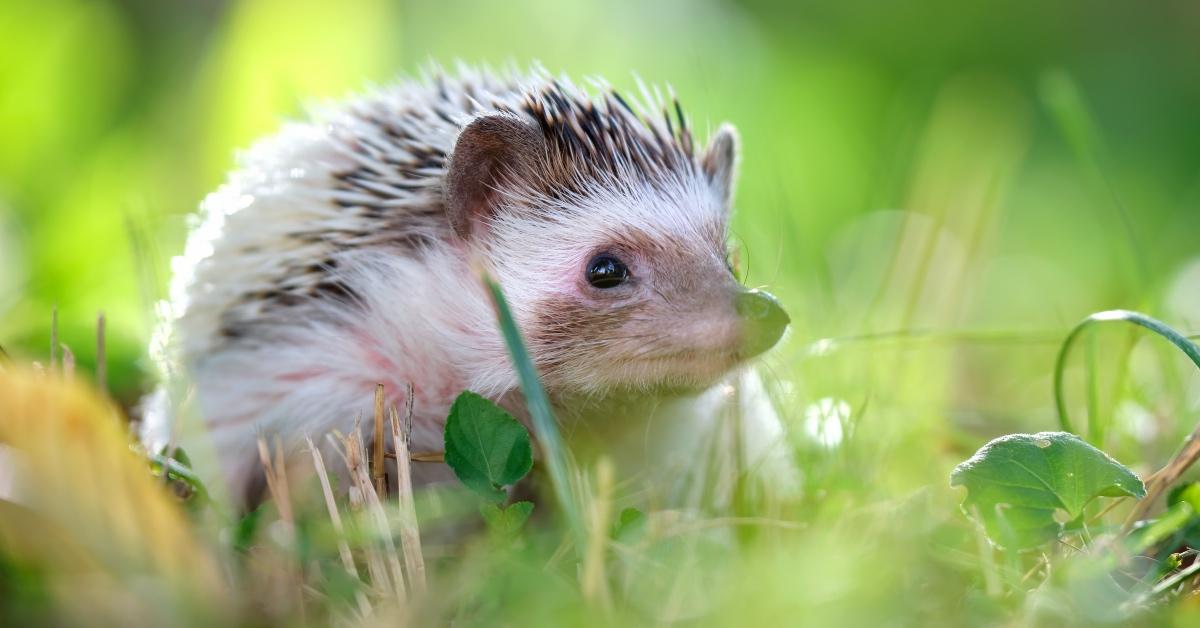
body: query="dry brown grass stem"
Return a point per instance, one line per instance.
(1162, 479)
(68, 362)
(428, 456)
(375, 565)
(378, 468)
(276, 475)
(383, 563)
(275, 471)
(339, 530)
(410, 533)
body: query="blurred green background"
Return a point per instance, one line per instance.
(977, 176)
(938, 191)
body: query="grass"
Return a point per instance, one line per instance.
(92, 518)
(557, 458)
(1015, 216)
(1135, 318)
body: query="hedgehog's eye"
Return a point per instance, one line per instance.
(606, 271)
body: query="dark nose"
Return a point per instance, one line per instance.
(763, 321)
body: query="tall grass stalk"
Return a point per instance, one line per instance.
(1067, 108)
(595, 575)
(557, 458)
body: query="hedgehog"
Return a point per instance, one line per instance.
(347, 250)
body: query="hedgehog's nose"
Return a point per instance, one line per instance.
(763, 321)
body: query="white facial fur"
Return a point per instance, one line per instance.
(671, 324)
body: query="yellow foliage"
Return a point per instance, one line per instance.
(85, 510)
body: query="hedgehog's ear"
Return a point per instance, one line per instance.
(491, 151)
(720, 160)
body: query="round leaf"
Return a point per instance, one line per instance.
(485, 446)
(1016, 483)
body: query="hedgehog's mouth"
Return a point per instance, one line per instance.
(696, 356)
(694, 369)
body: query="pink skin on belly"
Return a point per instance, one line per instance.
(435, 388)
(304, 375)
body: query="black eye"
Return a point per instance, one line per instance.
(606, 271)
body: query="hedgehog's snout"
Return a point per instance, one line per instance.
(763, 321)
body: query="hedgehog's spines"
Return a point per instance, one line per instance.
(395, 143)
(617, 96)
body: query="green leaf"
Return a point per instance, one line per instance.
(506, 521)
(1188, 492)
(247, 528)
(1016, 483)
(485, 446)
(630, 526)
(1151, 533)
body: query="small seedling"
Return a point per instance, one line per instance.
(506, 521)
(489, 450)
(486, 447)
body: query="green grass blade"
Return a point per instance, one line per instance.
(1162, 329)
(1067, 107)
(558, 462)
